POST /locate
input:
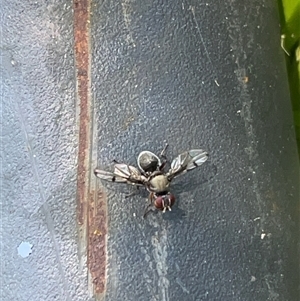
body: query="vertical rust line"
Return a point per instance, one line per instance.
(91, 205)
(81, 35)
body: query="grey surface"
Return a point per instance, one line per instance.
(233, 233)
(176, 71)
(39, 153)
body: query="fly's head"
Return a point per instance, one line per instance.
(164, 202)
(148, 162)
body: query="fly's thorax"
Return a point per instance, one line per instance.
(159, 183)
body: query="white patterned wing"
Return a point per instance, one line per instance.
(123, 173)
(187, 161)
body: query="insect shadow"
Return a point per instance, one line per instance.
(192, 181)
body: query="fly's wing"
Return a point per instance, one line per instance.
(108, 176)
(186, 161)
(130, 173)
(123, 173)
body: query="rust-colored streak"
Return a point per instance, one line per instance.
(97, 241)
(91, 207)
(81, 32)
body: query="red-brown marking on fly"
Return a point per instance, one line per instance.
(91, 207)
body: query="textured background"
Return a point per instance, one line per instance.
(192, 73)
(39, 153)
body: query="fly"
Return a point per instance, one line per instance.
(151, 174)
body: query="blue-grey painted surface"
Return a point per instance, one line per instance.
(39, 153)
(209, 75)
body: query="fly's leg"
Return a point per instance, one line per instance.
(149, 208)
(163, 156)
(132, 193)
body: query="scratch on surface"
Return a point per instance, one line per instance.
(246, 114)
(272, 294)
(182, 286)
(44, 208)
(126, 10)
(192, 9)
(160, 243)
(235, 33)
